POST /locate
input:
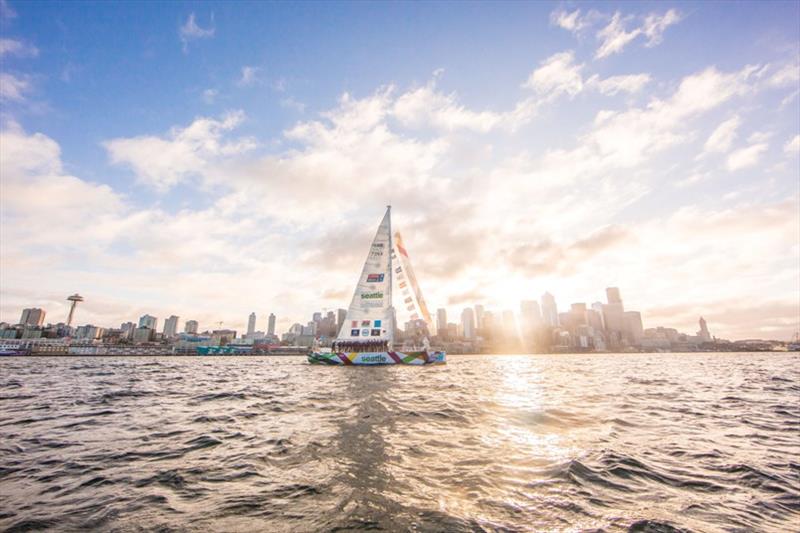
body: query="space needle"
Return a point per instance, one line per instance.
(75, 298)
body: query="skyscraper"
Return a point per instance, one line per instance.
(147, 321)
(549, 310)
(634, 330)
(171, 326)
(191, 327)
(467, 323)
(479, 317)
(32, 317)
(271, 325)
(251, 324)
(530, 314)
(341, 315)
(441, 322)
(704, 333)
(612, 293)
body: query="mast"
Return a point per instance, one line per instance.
(390, 329)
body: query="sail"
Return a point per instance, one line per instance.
(411, 294)
(369, 316)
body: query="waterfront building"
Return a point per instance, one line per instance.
(479, 317)
(341, 316)
(32, 317)
(271, 324)
(191, 327)
(467, 323)
(613, 295)
(251, 324)
(633, 327)
(143, 334)
(549, 310)
(441, 322)
(148, 321)
(171, 327)
(704, 334)
(127, 329)
(88, 332)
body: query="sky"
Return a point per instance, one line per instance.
(211, 159)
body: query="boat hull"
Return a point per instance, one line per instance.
(376, 358)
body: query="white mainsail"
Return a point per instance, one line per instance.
(370, 314)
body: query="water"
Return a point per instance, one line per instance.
(644, 442)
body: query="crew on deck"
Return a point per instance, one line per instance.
(361, 346)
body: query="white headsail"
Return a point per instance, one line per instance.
(369, 316)
(413, 301)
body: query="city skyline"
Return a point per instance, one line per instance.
(571, 148)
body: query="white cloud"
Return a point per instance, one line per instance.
(291, 103)
(792, 146)
(248, 77)
(615, 36)
(190, 31)
(654, 26)
(6, 12)
(12, 87)
(558, 74)
(723, 136)
(788, 75)
(17, 48)
(569, 21)
(630, 83)
(746, 157)
(209, 95)
(163, 162)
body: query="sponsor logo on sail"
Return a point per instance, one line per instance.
(364, 332)
(374, 278)
(364, 324)
(408, 300)
(377, 323)
(354, 323)
(375, 333)
(354, 332)
(372, 295)
(402, 284)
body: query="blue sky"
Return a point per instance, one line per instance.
(210, 159)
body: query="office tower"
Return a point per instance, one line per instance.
(594, 319)
(578, 313)
(612, 293)
(634, 330)
(251, 324)
(549, 310)
(467, 323)
(479, 317)
(148, 321)
(75, 298)
(598, 308)
(317, 317)
(704, 333)
(530, 314)
(127, 329)
(509, 325)
(341, 315)
(32, 317)
(191, 327)
(271, 325)
(171, 326)
(441, 322)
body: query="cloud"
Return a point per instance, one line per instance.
(291, 103)
(209, 95)
(557, 75)
(17, 48)
(788, 75)
(615, 37)
(190, 31)
(723, 136)
(746, 157)
(792, 146)
(6, 11)
(163, 162)
(630, 83)
(13, 88)
(569, 21)
(248, 77)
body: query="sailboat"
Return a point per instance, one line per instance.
(367, 334)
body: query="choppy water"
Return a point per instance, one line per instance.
(704, 442)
